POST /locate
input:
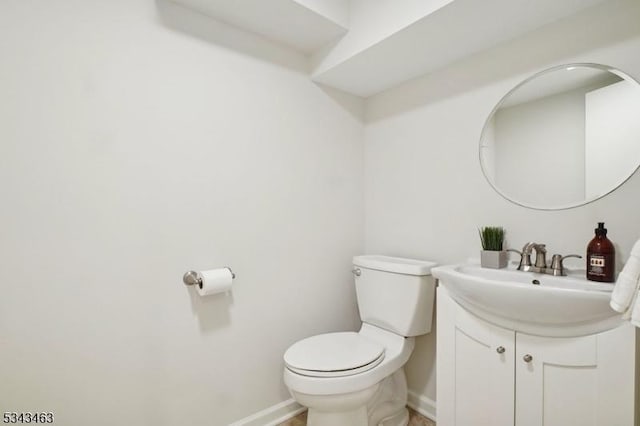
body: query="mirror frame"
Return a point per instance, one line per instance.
(516, 87)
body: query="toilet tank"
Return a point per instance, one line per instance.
(394, 293)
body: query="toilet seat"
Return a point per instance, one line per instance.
(397, 350)
(334, 355)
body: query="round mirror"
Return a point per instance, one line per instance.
(564, 137)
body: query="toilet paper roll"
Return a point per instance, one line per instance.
(215, 281)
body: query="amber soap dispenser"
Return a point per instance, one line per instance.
(601, 257)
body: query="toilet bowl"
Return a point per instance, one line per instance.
(357, 379)
(340, 396)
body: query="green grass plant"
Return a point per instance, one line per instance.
(492, 237)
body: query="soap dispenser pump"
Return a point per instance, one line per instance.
(601, 257)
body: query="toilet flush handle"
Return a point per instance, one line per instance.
(357, 272)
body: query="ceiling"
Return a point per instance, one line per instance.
(364, 47)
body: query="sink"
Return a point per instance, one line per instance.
(533, 303)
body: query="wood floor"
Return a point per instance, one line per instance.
(415, 419)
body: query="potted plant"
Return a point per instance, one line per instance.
(492, 254)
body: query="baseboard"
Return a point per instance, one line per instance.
(422, 404)
(280, 413)
(272, 416)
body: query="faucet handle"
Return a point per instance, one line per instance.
(557, 267)
(525, 258)
(515, 251)
(572, 255)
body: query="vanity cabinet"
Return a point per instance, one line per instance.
(492, 376)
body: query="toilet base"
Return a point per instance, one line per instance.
(383, 404)
(347, 409)
(399, 419)
(389, 406)
(356, 417)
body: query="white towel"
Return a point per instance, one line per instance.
(627, 285)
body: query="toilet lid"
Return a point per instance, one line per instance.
(333, 354)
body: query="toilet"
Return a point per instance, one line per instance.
(357, 379)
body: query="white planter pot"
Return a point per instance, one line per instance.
(493, 259)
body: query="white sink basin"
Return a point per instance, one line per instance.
(554, 306)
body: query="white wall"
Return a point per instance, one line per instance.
(131, 152)
(425, 194)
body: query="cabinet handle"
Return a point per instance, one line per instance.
(500, 349)
(527, 358)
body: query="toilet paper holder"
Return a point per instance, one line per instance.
(194, 278)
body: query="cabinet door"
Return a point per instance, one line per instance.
(475, 368)
(556, 381)
(586, 381)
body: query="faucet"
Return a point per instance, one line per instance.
(557, 268)
(525, 257)
(540, 265)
